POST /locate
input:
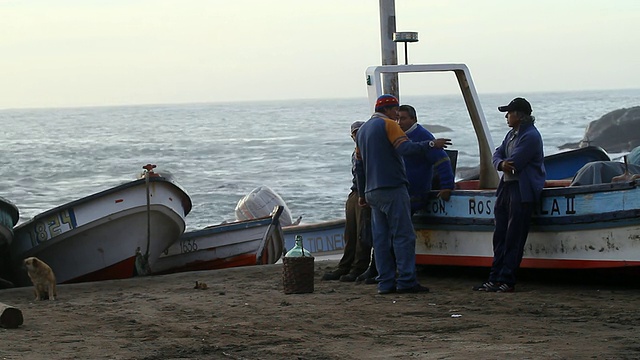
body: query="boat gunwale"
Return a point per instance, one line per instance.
(10, 208)
(34, 250)
(86, 199)
(329, 224)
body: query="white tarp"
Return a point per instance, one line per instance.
(260, 203)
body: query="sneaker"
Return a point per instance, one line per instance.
(417, 288)
(488, 286)
(503, 288)
(348, 278)
(334, 275)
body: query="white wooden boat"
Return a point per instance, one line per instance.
(97, 237)
(323, 238)
(241, 243)
(575, 227)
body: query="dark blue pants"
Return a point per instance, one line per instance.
(513, 219)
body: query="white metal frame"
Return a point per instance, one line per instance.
(488, 175)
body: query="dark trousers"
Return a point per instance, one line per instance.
(357, 235)
(513, 219)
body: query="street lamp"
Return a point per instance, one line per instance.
(405, 37)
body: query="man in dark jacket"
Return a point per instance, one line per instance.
(357, 231)
(420, 168)
(520, 157)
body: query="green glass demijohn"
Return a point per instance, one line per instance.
(298, 250)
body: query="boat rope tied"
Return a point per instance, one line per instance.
(148, 171)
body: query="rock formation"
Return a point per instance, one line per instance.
(617, 131)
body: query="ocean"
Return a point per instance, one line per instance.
(219, 152)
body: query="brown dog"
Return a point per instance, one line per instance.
(42, 277)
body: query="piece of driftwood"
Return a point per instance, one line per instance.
(10, 317)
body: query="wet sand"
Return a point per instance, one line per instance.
(244, 314)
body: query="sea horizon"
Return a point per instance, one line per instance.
(225, 102)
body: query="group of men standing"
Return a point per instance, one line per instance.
(392, 167)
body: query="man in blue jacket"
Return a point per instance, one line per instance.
(382, 184)
(420, 168)
(520, 157)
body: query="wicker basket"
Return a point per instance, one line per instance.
(297, 274)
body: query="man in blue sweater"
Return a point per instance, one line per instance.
(520, 157)
(420, 168)
(382, 184)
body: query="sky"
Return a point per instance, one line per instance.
(66, 53)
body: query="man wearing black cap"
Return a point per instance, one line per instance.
(520, 158)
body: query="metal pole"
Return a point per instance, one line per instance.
(406, 54)
(388, 47)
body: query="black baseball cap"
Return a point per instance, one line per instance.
(517, 104)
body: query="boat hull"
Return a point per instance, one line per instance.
(325, 238)
(98, 237)
(582, 227)
(8, 219)
(249, 242)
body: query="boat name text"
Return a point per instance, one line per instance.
(52, 226)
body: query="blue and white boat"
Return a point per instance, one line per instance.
(323, 238)
(575, 227)
(240, 243)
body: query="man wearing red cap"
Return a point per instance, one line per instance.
(382, 184)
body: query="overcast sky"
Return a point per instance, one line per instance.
(84, 52)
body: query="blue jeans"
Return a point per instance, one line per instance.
(393, 231)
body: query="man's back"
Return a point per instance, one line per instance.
(382, 164)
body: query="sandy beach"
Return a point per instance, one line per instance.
(244, 314)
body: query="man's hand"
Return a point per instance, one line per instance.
(442, 143)
(444, 194)
(362, 202)
(508, 167)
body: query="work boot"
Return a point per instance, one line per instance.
(348, 278)
(334, 275)
(371, 272)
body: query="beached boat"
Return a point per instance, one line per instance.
(9, 217)
(324, 238)
(240, 243)
(98, 236)
(574, 227)
(560, 166)
(565, 164)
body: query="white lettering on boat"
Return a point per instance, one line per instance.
(324, 243)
